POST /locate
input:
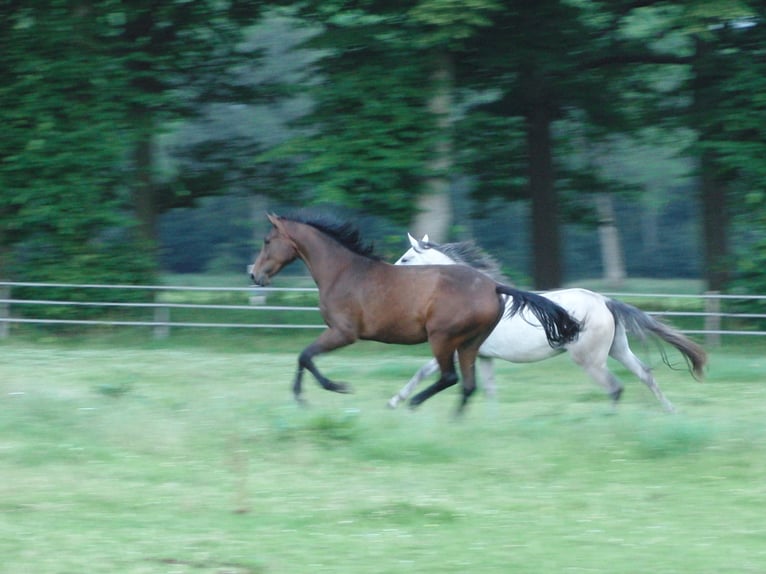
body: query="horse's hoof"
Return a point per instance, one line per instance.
(669, 408)
(300, 401)
(342, 388)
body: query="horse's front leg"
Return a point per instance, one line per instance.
(329, 340)
(425, 371)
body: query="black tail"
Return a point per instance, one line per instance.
(637, 322)
(559, 326)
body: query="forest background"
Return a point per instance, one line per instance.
(571, 138)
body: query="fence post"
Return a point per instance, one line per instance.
(5, 311)
(712, 319)
(161, 320)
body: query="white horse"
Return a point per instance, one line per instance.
(520, 339)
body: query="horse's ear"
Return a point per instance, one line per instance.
(425, 238)
(413, 242)
(274, 219)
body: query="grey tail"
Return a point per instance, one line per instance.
(639, 323)
(559, 326)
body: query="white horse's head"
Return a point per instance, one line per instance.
(422, 252)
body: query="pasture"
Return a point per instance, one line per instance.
(184, 458)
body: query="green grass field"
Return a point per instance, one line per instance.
(191, 458)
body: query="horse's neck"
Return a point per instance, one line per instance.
(323, 256)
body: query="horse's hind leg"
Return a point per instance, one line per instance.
(425, 371)
(601, 375)
(448, 377)
(445, 381)
(488, 376)
(591, 353)
(622, 353)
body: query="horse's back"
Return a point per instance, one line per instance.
(521, 338)
(401, 304)
(580, 303)
(464, 297)
(450, 298)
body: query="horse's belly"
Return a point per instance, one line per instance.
(518, 341)
(396, 337)
(399, 332)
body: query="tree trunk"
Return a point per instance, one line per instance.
(546, 256)
(434, 215)
(143, 189)
(712, 190)
(609, 237)
(715, 226)
(5, 291)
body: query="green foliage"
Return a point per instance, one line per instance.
(216, 237)
(372, 133)
(86, 91)
(115, 257)
(371, 150)
(751, 259)
(83, 89)
(735, 137)
(447, 23)
(61, 150)
(368, 137)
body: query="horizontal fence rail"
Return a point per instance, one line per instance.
(157, 311)
(165, 307)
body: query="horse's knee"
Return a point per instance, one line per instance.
(304, 359)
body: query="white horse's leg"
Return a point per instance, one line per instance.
(622, 353)
(487, 375)
(425, 371)
(591, 350)
(605, 378)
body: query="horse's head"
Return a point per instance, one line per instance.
(278, 250)
(422, 252)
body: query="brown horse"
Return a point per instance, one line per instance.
(454, 308)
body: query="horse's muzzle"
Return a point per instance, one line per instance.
(261, 281)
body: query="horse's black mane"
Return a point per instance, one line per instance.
(468, 253)
(344, 232)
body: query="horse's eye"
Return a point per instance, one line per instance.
(266, 241)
